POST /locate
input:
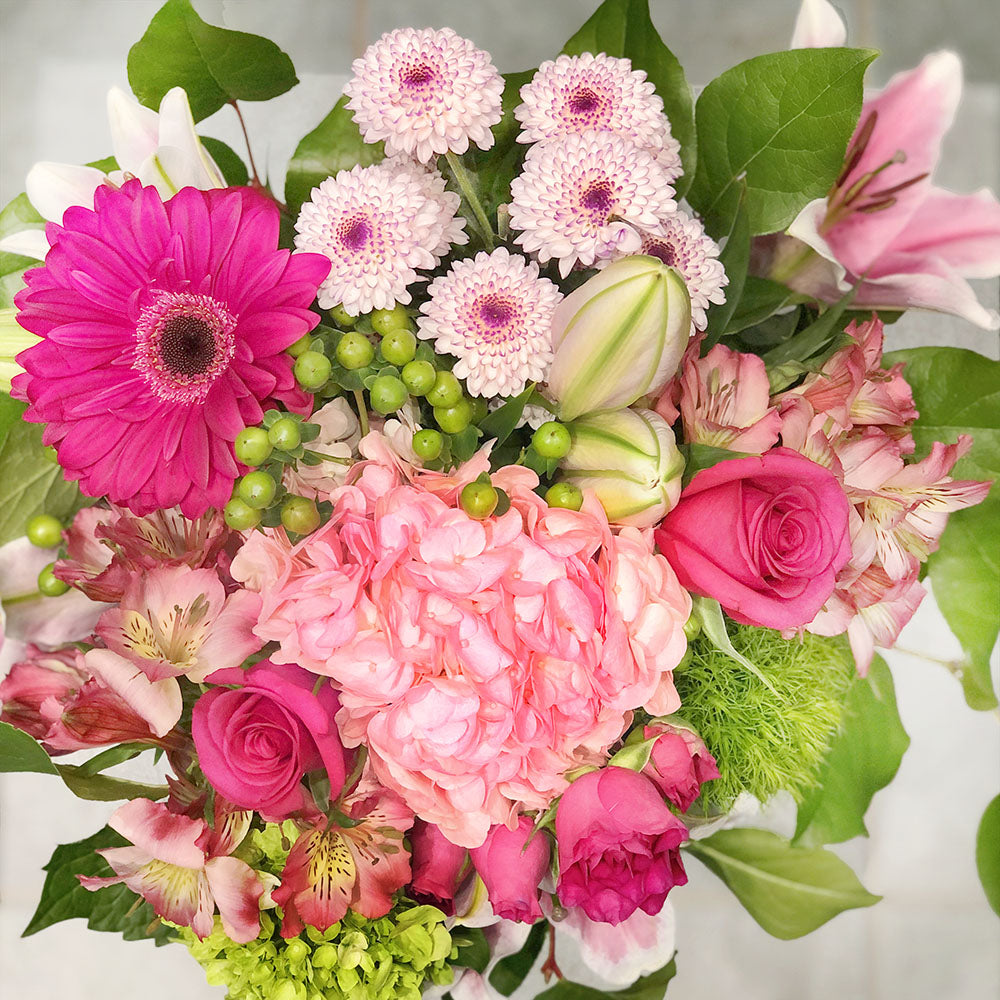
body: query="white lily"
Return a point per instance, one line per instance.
(161, 149)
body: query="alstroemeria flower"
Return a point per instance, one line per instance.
(909, 243)
(182, 868)
(163, 150)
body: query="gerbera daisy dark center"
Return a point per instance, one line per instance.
(187, 345)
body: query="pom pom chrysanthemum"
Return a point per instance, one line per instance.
(425, 92)
(494, 314)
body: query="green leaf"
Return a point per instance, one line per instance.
(214, 65)
(111, 909)
(509, 972)
(10, 413)
(988, 853)
(713, 625)
(651, 987)
(958, 392)
(703, 456)
(502, 422)
(234, 170)
(735, 258)
(106, 788)
(864, 757)
(19, 752)
(111, 758)
(473, 948)
(760, 300)
(29, 483)
(624, 29)
(782, 121)
(788, 890)
(814, 338)
(334, 144)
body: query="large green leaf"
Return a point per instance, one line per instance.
(234, 170)
(335, 144)
(624, 29)
(782, 121)
(214, 65)
(19, 752)
(958, 392)
(864, 758)
(115, 908)
(788, 890)
(509, 972)
(106, 787)
(29, 483)
(651, 987)
(988, 853)
(735, 258)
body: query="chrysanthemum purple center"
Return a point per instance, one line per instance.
(660, 249)
(355, 232)
(598, 199)
(417, 75)
(583, 101)
(495, 318)
(184, 342)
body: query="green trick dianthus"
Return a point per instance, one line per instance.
(765, 741)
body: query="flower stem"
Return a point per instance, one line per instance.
(359, 399)
(257, 183)
(550, 968)
(464, 181)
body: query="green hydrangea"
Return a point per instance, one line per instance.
(357, 959)
(765, 741)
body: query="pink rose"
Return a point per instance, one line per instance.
(255, 743)
(765, 537)
(512, 867)
(679, 763)
(619, 845)
(437, 863)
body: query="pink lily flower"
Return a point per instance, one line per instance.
(883, 223)
(183, 868)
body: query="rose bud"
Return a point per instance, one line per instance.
(437, 864)
(512, 868)
(619, 336)
(679, 762)
(256, 742)
(631, 462)
(619, 845)
(765, 537)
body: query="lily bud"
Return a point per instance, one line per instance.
(631, 462)
(619, 336)
(13, 339)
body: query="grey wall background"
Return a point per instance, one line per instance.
(933, 937)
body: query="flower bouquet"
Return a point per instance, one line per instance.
(505, 512)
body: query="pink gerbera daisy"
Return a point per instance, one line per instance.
(577, 93)
(425, 92)
(164, 326)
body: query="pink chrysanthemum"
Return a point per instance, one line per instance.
(164, 327)
(494, 314)
(682, 243)
(378, 225)
(579, 93)
(425, 92)
(582, 198)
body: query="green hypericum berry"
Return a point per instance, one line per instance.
(49, 585)
(387, 394)
(45, 531)
(564, 495)
(257, 489)
(446, 391)
(342, 317)
(479, 500)
(253, 446)
(398, 347)
(300, 346)
(285, 434)
(312, 370)
(419, 377)
(427, 444)
(354, 350)
(239, 515)
(479, 409)
(551, 440)
(300, 515)
(453, 419)
(386, 320)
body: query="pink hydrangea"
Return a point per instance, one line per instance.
(478, 661)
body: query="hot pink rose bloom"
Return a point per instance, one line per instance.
(619, 845)
(679, 763)
(255, 743)
(512, 863)
(438, 864)
(765, 537)
(478, 661)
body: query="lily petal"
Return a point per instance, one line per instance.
(54, 187)
(134, 129)
(177, 131)
(818, 26)
(26, 243)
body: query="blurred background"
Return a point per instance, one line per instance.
(933, 935)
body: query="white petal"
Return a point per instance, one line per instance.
(26, 243)
(177, 130)
(134, 129)
(818, 26)
(54, 187)
(158, 702)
